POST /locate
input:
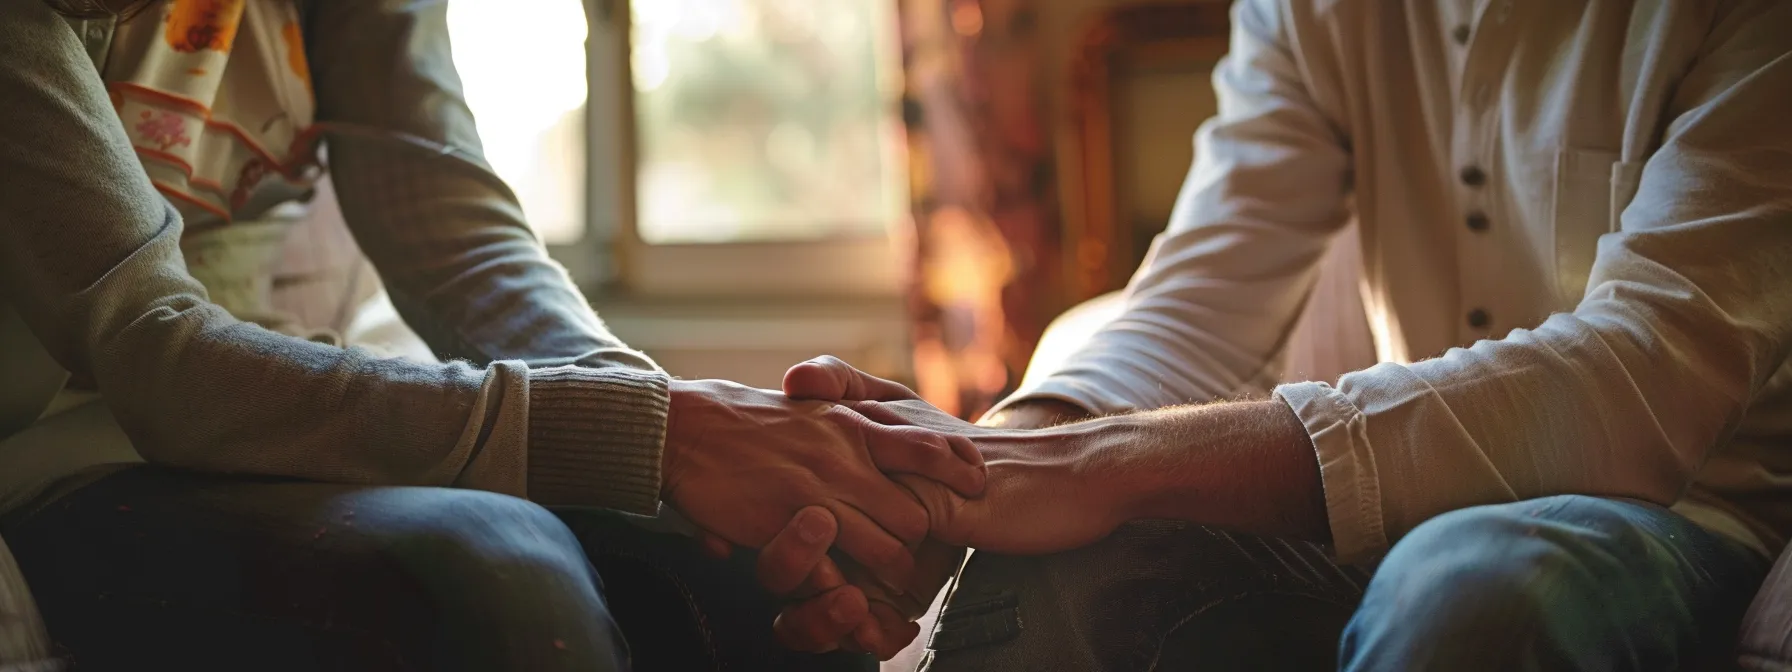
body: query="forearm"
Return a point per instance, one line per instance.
(1245, 466)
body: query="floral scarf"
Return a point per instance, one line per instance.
(216, 98)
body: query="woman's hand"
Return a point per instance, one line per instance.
(1034, 501)
(741, 462)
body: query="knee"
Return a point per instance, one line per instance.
(489, 581)
(474, 540)
(1492, 582)
(1478, 559)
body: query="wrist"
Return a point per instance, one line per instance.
(682, 395)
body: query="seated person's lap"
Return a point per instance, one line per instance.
(1562, 582)
(151, 567)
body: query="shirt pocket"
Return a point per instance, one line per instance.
(1592, 188)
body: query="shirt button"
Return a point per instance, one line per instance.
(1479, 319)
(1478, 221)
(1472, 176)
(1460, 34)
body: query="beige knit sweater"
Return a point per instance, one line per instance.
(538, 400)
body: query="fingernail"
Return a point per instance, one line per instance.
(813, 528)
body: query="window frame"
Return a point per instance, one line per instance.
(611, 260)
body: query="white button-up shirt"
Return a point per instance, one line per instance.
(1576, 221)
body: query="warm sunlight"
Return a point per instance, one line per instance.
(523, 65)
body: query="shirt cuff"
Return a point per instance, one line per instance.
(1346, 468)
(596, 436)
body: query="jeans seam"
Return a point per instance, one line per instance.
(1157, 656)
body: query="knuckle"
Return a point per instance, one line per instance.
(915, 439)
(846, 419)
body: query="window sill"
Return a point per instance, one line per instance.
(753, 340)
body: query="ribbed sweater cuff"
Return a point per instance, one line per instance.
(595, 437)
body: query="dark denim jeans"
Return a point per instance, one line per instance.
(1562, 583)
(156, 569)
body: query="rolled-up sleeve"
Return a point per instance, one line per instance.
(1686, 315)
(1207, 314)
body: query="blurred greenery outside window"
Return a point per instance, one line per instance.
(754, 121)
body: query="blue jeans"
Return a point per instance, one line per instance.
(1560, 583)
(156, 569)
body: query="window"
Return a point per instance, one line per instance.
(722, 176)
(529, 102)
(763, 120)
(696, 147)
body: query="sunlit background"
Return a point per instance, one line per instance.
(755, 120)
(528, 96)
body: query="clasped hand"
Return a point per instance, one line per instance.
(1036, 502)
(755, 468)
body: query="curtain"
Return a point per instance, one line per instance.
(985, 241)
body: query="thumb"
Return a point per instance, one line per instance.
(827, 378)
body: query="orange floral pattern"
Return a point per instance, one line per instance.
(295, 52)
(216, 98)
(165, 129)
(193, 25)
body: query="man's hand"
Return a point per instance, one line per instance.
(1242, 465)
(936, 560)
(741, 462)
(1038, 499)
(888, 625)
